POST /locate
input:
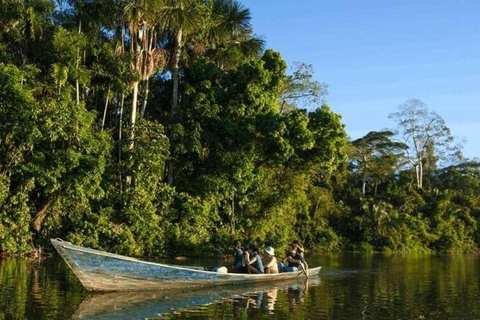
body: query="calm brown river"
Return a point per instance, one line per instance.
(350, 286)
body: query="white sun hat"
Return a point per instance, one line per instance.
(270, 251)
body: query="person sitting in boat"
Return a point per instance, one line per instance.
(299, 256)
(239, 262)
(293, 260)
(269, 261)
(292, 264)
(253, 260)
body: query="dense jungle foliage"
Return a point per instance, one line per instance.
(163, 127)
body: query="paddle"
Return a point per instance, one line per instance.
(303, 270)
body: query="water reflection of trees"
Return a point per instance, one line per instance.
(401, 287)
(40, 289)
(355, 287)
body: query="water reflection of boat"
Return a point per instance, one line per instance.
(296, 296)
(103, 271)
(142, 305)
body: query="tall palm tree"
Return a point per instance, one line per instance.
(216, 30)
(180, 18)
(231, 30)
(210, 28)
(141, 18)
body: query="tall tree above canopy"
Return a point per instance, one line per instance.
(67, 45)
(426, 134)
(180, 18)
(329, 151)
(230, 39)
(142, 18)
(219, 29)
(300, 89)
(374, 152)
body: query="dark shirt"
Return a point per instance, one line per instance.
(296, 256)
(238, 258)
(299, 256)
(258, 262)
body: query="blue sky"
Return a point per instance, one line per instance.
(375, 55)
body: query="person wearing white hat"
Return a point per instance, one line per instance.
(269, 261)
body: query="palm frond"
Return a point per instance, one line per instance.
(60, 74)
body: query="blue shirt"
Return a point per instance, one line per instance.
(238, 258)
(258, 262)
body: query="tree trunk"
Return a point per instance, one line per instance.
(170, 168)
(417, 172)
(145, 99)
(133, 118)
(123, 40)
(420, 174)
(77, 85)
(120, 128)
(176, 69)
(105, 109)
(283, 105)
(364, 182)
(232, 216)
(37, 221)
(77, 88)
(364, 179)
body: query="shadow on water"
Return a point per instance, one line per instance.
(158, 304)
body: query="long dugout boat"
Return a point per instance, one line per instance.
(103, 271)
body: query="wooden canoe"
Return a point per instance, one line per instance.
(103, 271)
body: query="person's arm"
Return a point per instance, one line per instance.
(290, 259)
(246, 258)
(250, 268)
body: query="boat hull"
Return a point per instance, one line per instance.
(102, 271)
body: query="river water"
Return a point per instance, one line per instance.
(350, 286)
